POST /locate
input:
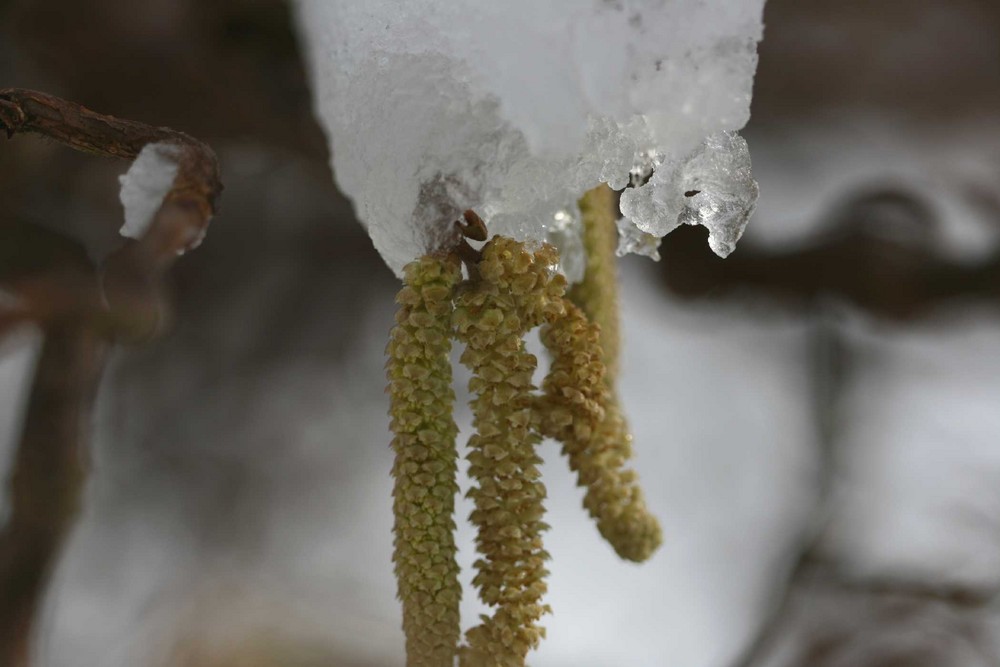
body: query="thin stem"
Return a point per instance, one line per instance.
(47, 479)
(74, 125)
(597, 293)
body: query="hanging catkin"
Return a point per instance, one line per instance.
(515, 292)
(422, 399)
(597, 293)
(583, 410)
(510, 291)
(577, 409)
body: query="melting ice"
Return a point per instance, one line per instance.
(516, 108)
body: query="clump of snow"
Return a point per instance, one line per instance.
(144, 186)
(516, 108)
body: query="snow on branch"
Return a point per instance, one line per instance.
(516, 108)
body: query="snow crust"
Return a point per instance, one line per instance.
(516, 108)
(144, 186)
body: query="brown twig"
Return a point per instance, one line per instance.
(47, 479)
(470, 227)
(74, 125)
(81, 309)
(131, 275)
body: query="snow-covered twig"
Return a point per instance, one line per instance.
(132, 273)
(82, 309)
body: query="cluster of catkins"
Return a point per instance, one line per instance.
(511, 290)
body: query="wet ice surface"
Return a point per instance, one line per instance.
(515, 109)
(632, 240)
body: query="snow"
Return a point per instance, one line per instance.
(515, 109)
(144, 186)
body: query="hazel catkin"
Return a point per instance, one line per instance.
(578, 410)
(421, 406)
(515, 293)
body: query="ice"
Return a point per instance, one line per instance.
(566, 234)
(144, 186)
(632, 240)
(515, 109)
(712, 186)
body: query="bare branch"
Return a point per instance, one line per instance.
(82, 309)
(48, 475)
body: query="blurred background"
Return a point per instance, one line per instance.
(817, 418)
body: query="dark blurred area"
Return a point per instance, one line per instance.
(832, 387)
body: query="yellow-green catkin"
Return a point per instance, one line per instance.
(422, 400)
(579, 410)
(583, 410)
(597, 293)
(515, 292)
